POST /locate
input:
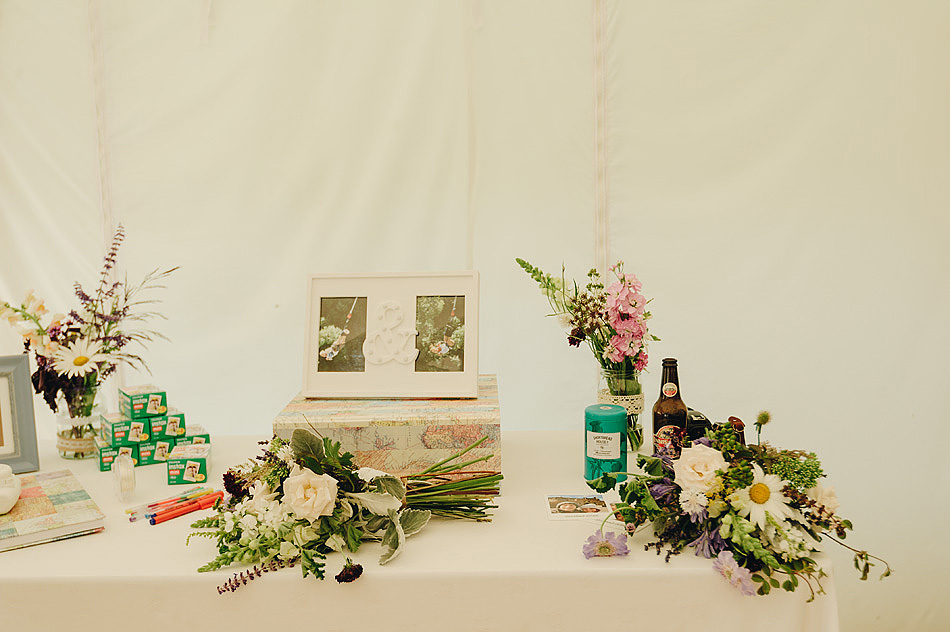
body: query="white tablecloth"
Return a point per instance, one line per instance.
(521, 572)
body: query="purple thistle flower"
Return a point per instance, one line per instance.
(608, 544)
(738, 576)
(709, 543)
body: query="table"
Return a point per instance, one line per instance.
(521, 572)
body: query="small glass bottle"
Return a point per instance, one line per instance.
(669, 412)
(605, 445)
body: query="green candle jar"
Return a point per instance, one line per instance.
(605, 446)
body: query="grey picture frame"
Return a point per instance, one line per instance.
(16, 401)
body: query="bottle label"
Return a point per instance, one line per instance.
(669, 389)
(669, 437)
(604, 445)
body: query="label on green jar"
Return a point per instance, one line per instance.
(604, 445)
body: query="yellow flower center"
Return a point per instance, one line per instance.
(759, 493)
(80, 360)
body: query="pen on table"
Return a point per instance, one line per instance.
(186, 499)
(205, 502)
(168, 506)
(162, 506)
(163, 501)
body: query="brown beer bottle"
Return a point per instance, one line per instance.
(669, 412)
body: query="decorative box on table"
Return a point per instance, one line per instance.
(402, 436)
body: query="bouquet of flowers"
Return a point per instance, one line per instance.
(76, 352)
(758, 511)
(304, 499)
(612, 320)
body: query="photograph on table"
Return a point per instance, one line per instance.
(566, 506)
(391, 335)
(342, 332)
(440, 321)
(18, 447)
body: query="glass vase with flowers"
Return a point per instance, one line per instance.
(76, 352)
(612, 321)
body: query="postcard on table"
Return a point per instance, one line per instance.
(574, 506)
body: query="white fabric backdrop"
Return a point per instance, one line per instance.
(776, 175)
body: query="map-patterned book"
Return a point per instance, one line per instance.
(52, 506)
(401, 436)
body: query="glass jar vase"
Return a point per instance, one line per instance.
(77, 420)
(620, 386)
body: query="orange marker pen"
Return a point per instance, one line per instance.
(202, 503)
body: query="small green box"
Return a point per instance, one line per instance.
(171, 425)
(195, 434)
(189, 464)
(121, 431)
(156, 451)
(136, 402)
(108, 453)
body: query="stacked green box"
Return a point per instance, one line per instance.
(189, 464)
(170, 425)
(121, 431)
(147, 400)
(149, 431)
(195, 434)
(108, 453)
(156, 451)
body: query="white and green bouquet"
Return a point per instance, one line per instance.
(303, 500)
(759, 512)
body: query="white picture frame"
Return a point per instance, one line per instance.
(391, 336)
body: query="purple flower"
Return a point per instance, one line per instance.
(605, 545)
(709, 543)
(663, 490)
(738, 576)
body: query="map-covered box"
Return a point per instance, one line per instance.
(403, 436)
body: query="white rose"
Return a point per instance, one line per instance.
(825, 496)
(696, 467)
(309, 495)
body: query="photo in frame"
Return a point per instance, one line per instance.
(18, 447)
(391, 336)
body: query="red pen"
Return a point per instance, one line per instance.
(201, 503)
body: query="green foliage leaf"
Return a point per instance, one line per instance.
(413, 520)
(379, 504)
(304, 443)
(394, 538)
(390, 485)
(650, 464)
(603, 484)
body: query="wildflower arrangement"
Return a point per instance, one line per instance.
(77, 351)
(757, 511)
(301, 500)
(611, 319)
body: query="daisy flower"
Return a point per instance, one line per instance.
(79, 358)
(763, 496)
